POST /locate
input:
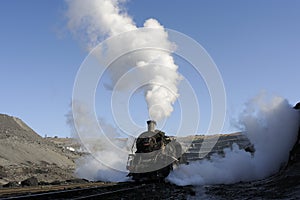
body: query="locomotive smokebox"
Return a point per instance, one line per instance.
(151, 125)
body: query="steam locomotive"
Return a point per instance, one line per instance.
(155, 155)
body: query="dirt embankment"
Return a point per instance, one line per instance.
(23, 154)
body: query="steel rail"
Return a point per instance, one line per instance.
(79, 193)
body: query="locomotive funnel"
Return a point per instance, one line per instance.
(151, 125)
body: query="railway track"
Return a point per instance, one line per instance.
(108, 191)
(125, 190)
(46, 188)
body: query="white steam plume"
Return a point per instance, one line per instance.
(92, 21)
(95, 20)
(103, 161)
(272, 126)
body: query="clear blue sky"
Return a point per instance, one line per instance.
(255, 44)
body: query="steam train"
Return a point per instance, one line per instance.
(155, 155)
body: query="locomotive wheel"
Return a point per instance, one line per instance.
(158, 175)
(164, 172)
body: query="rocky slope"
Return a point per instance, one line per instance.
(200, 147)
(23, 153)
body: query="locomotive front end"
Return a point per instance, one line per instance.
(154, 156)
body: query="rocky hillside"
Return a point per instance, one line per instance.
(199, 147)
(23, 153)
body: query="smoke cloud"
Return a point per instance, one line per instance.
(107, 152)
(271, 124)
(92, 21)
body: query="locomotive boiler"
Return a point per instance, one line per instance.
(155, 155)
